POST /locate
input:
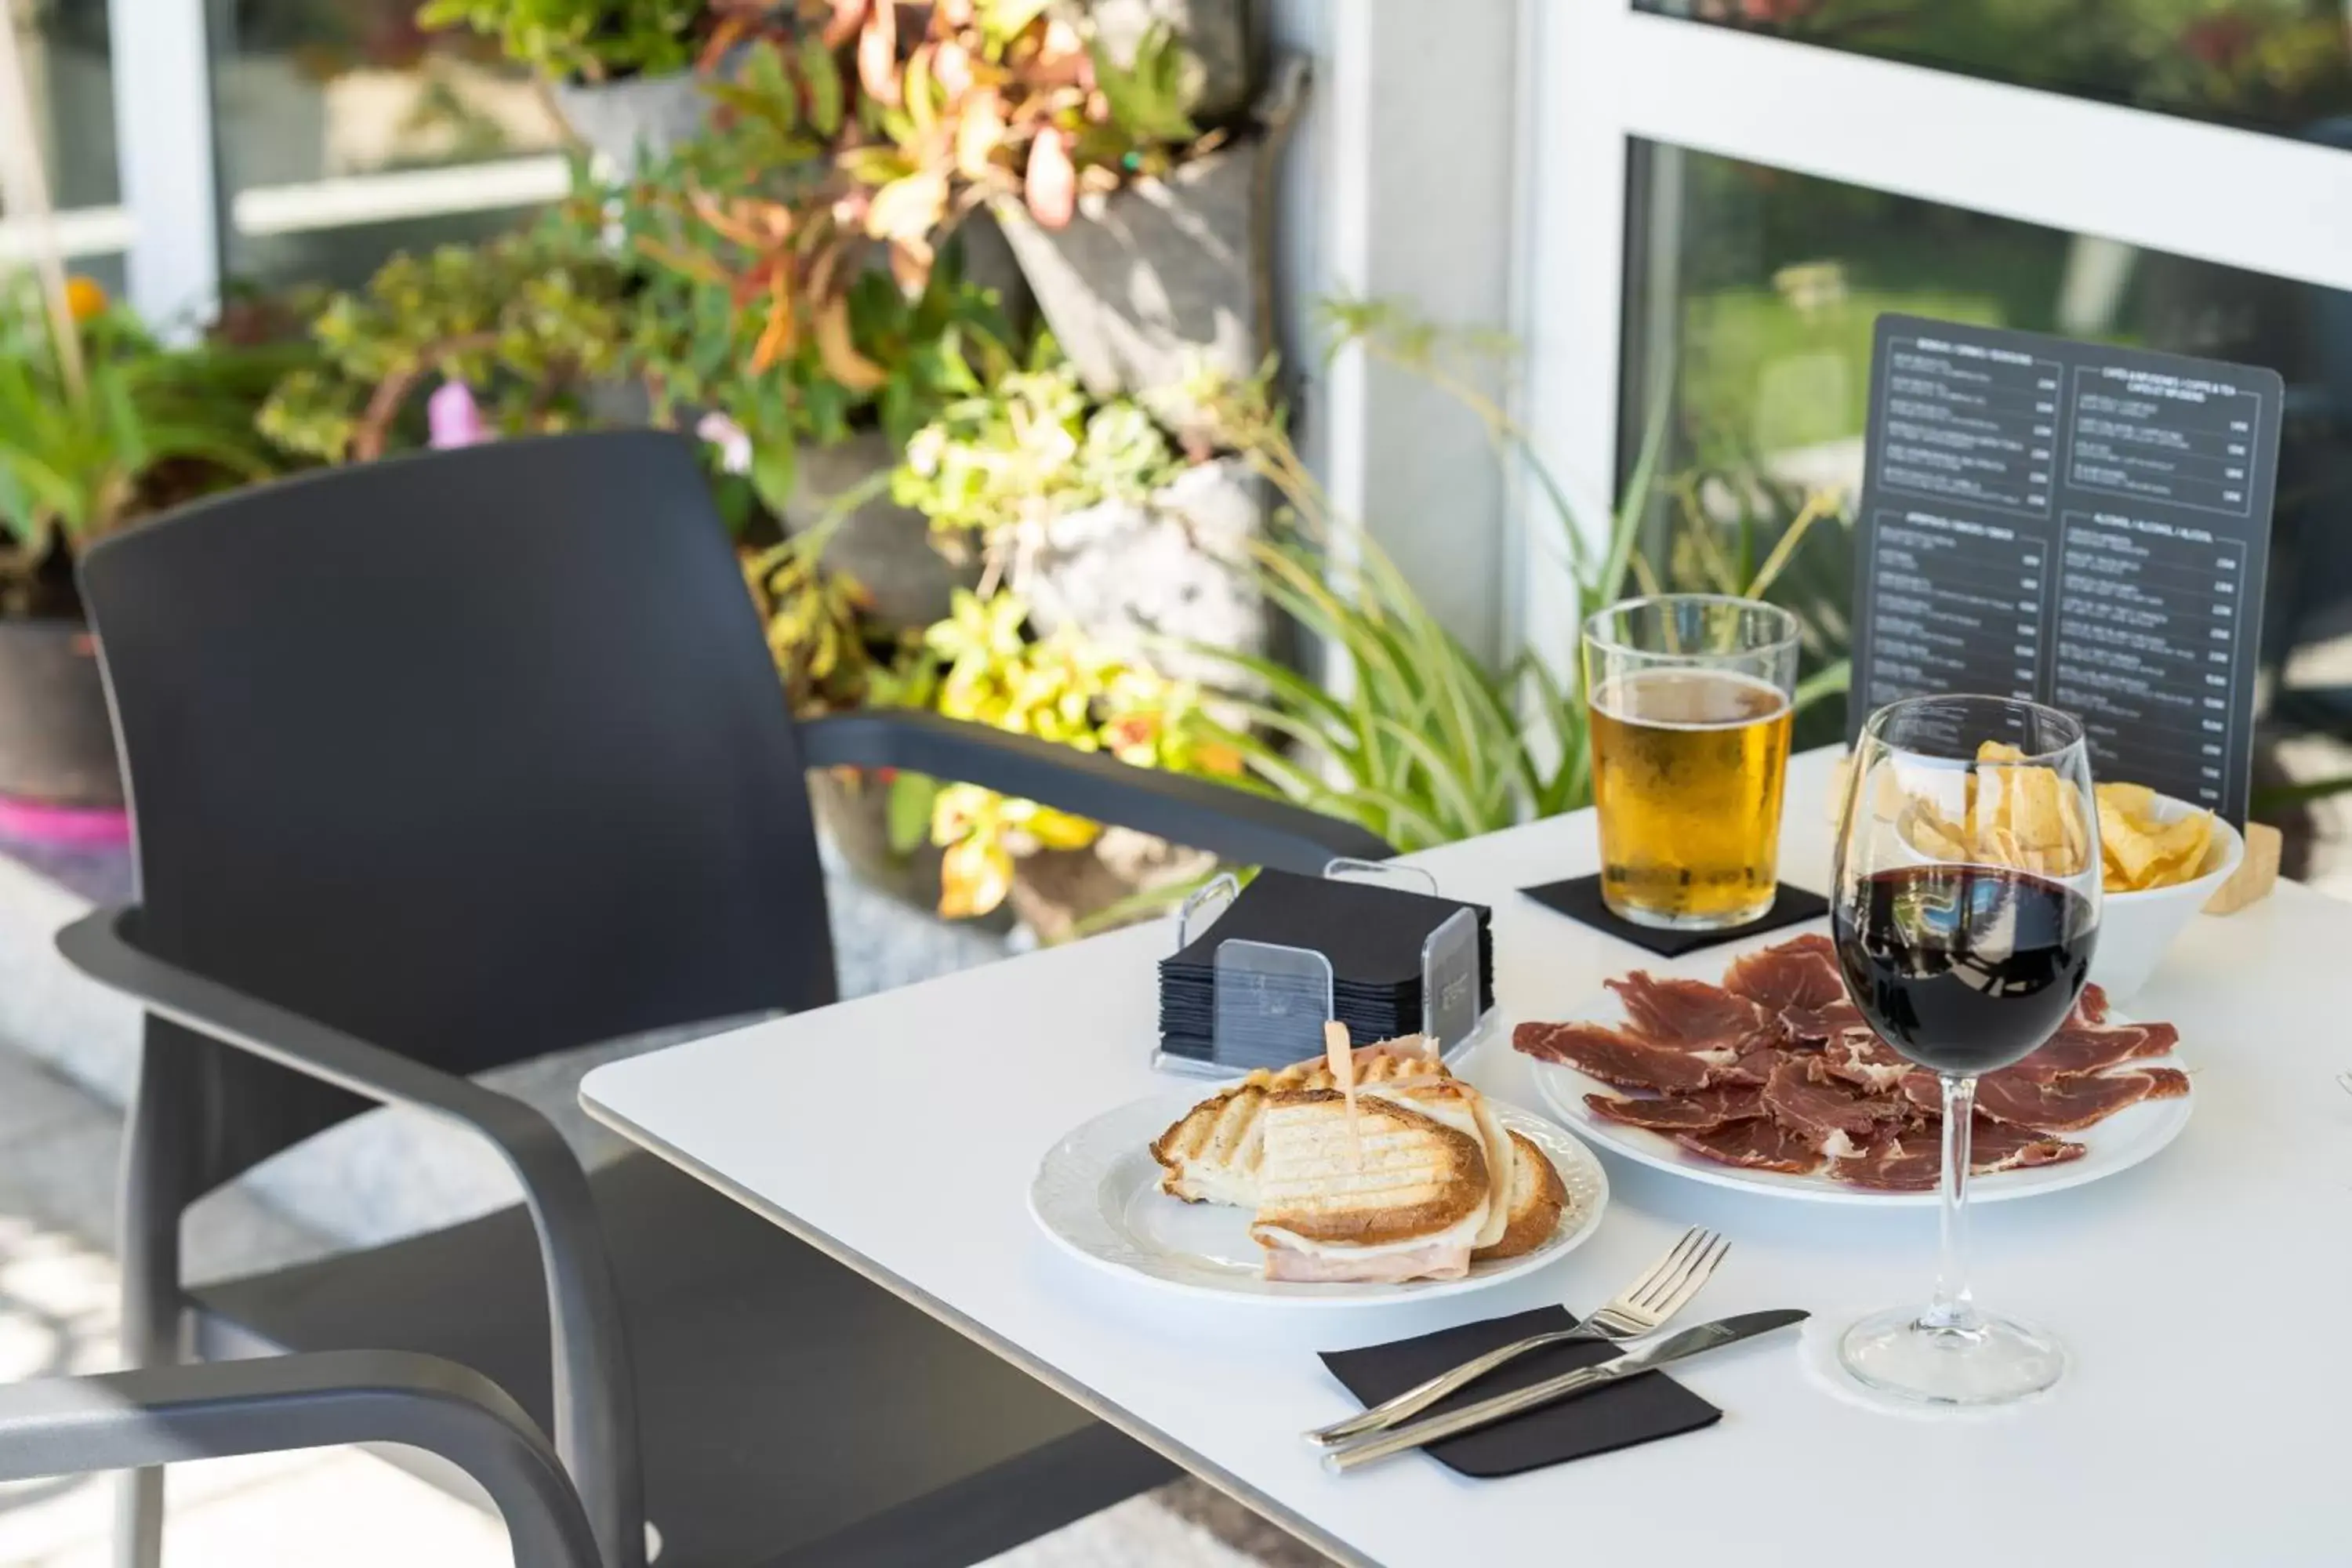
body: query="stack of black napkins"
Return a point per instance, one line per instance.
(1371, 934)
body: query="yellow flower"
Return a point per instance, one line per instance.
(84, 299)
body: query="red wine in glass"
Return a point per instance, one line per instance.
(1964, 969)
(1964, 946)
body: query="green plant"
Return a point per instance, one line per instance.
(100, 423)
(704, 332)
(591, 40)
(982, 664)
(827, 650)
(525, 320)
(1028, 448)
(1415, 736)
(847, 134)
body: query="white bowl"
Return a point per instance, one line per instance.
(2136, 928)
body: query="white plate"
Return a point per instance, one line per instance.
(2118, 1143)
(1097, 1193)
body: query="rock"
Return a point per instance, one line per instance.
(1133, 576)
(1215, 32)
(886, 546)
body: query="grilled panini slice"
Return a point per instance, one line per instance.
(1392, 1193)
(1532, 1204)
(1211, 1155)
(1465, 1110)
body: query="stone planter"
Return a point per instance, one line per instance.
(635, 119)
(57, 740)
(1217, 32)
(886, 546)
(1163, 277)
(1138, 577)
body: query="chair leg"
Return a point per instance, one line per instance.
(157, 1143)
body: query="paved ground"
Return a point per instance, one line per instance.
(58, 1150)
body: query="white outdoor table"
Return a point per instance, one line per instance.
(2207, 1417)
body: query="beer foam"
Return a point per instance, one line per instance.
(1629, 713)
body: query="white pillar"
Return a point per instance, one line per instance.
(163, 137)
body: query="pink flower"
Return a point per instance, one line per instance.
(734, 443)
(452, 418)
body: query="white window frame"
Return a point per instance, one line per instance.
(1597, 75)
(169, 224)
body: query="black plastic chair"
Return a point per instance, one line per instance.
(454, 760)
(73, 1426)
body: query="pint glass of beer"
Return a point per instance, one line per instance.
(1689, 699)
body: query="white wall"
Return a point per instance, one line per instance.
(1399, 185)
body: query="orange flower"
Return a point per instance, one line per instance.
(84, 299)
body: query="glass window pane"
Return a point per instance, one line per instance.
(306, 90)
(68, 62)
(2280, 66)
(1752, 292)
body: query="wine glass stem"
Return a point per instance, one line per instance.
(1953, 1308)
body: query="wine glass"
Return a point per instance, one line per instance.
(1965, 910)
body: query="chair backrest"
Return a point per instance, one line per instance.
(475, 755)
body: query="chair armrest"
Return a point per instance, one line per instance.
(595, 1392)
(70, 1425)
(1234, 823)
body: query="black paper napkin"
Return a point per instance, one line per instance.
(1579, 899)
(1638, 1410)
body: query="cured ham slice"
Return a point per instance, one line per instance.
(1824, 1108)
(1696, 1112)
(1617, 1057)
(1694, 1014)
(2071, 1104)
(2082, 1049)
(1818, 1025)
(1801, 972)
(1775, 1070)
(1860, 1057)
(1759, 1145)
(1912, 1159)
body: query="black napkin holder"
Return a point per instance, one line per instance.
(1291, 953)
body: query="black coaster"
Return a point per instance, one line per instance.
(1579, 899)
(1638, 1410)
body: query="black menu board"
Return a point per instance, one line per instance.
(2085, 526)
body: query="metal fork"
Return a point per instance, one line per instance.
(1642, 1308)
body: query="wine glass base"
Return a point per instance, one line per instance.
(1991, 1360)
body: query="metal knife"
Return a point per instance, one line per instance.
(1689, 1343)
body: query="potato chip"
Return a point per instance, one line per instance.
(2140, 849)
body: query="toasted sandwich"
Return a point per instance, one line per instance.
(1532, 1204)
(1392, 1193)
(1465, 1110)
(1210, 1154)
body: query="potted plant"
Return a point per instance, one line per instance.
(509, 337)
(987, 663)
(757, 316)
(1095, 516)
(100, 424)
(620, 71)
